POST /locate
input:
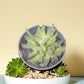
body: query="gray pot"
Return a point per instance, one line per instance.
(25, 51)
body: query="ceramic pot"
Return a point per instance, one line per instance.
(13, 80)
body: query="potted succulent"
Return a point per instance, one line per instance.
(41, 51)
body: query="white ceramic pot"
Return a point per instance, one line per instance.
(61, 80)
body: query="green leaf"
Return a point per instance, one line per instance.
(59, 43)
(24, 68)
(32, 53)
(13, 73)
(61, 70)
(33, 47)
(20, 62)
(51, 40)
(54, 56)
(17, 66)
(41, 53)
(29, 33)
(45, 46)
(39, 30)
(43, 30)
(60, 50)
(50, 29)
(13, 64)
(37, 58)
(9, 69)
(46, 59)
(36, 47)
(21, 73)
(53, 47)
(31, 40)
(48, 52)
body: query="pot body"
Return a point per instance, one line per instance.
(24, 57)
(61, 80)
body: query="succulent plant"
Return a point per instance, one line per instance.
(45, 45)
(17, 68)
(61, 69)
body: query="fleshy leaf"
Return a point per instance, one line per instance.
(17, 66)
(60, 50)
(43, 30)
(59, 43)
(61, 69)
(46, 59)
(37, 58)
(32, 53)
(52, 40)
(45, 45)
(13, 73)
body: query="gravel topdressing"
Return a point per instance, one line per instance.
(49, 74)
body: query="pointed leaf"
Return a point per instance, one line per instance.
(13, 73)
(37, 58)
(43, 30)
(60, 50)
(59, 43)
(46, 59)
(32, 53)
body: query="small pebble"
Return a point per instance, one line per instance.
(46, 77)
(37, 71)
(49, 74)
(28, 72)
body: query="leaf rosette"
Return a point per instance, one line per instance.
(46, 47)
(17, 68)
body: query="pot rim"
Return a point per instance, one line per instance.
(20, 54)
(37, 79)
